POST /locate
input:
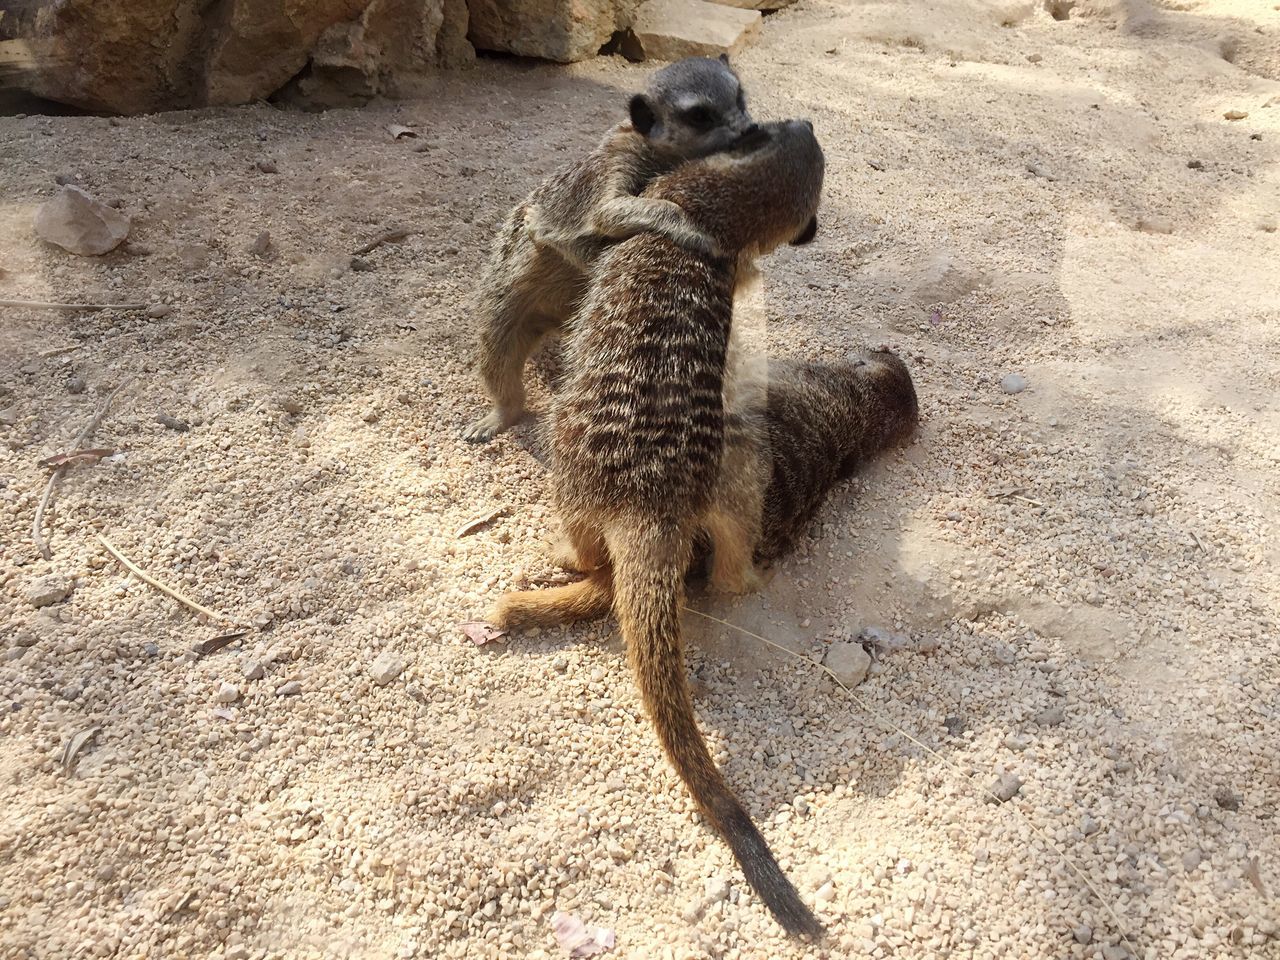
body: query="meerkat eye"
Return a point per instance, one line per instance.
(700, 118)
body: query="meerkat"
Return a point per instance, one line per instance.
(537, 268)
(792, 432)
(810, 426)
(638, 436)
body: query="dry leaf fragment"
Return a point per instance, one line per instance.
(60, 459)
(214, 644)
(579, 940)
(471, 526)
(75, 743)
(480, 633)
(1253, 874)
(398, 130)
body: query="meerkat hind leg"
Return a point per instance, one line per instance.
(732, 546)
(587, 599)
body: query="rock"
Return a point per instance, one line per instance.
(848, 661)
(253, 669)
(768, 5)
(8, 416)
(1195, 164)
(550, 29)
(267, 166)
(825, 893)
(227, 693)
(48, 590)
(1040, 170)
(716, 889)
(388, 49)
(289, 689)
(1114, 951)
(1005, 787)
(1192, 859)
(361, 265)
(81, 223)
(385, 668)
(1013, 383)
(261, 245)
(954, 726)
(1227, 799)
(1154, 224)
(76, 385)
(151, 649)
(158, 311)
(142, 56)
(1089, 826)
(1082, 934)
(675, 29)
(1235, 114)
(172, 423)
(1051, 717)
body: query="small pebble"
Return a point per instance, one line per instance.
(261, 245)
(1083, 934)
(1013, 383)
(172, 423)
(151, 649)
(48, 590)
(1089, 826)
(227, 693)
(716, 889)
(1005, 787)
(1227, 799)
(825, 893)
(848, 661)
(1051, 717)
(1235, 114)
(1192, 859)
(955, 726)
(360, 265)
(290, 689)
(253, 670)
(76, 385)
(267, 166)
(158, 311)
(385, 668)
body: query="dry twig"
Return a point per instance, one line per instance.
(395, 233)
(38, 522)
(147, 578)
(43, 305)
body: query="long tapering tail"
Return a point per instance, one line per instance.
(648, 587)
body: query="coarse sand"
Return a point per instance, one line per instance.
(1083, 558)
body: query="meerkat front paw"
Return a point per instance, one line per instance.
(489, 426)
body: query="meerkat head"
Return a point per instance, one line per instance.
(882, 386)
(761, 192)
(692, 108)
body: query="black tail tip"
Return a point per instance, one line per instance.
(798, 920)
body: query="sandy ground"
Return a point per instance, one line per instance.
(1009, 191)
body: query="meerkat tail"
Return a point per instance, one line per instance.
(648, 584)
(586, 599)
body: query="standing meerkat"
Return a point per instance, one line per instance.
(638, 436)
(537, 268)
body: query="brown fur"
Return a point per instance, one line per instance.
(638, 442)
(537, 269)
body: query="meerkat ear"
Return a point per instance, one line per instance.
(642, 115)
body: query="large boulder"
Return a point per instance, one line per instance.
(138, 56)
(563, 30)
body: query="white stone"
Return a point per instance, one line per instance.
(227, 693)
(48, 590)
(385, 668)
